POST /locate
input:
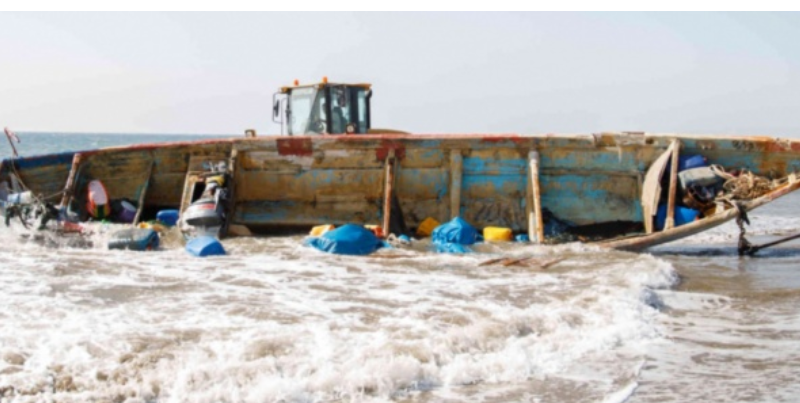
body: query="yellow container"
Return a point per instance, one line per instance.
(426, 227)
(220, 179)
(321, 229)
(497, 234)
(154, 226)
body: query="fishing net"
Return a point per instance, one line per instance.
(744, 185)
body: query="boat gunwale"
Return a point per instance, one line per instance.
(591, 137)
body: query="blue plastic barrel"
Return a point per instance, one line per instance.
(691, 161)
(168, 217)
(134, 239)
(688, 162)
(682, 215)
(203, 246)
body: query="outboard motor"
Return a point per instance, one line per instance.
(206, 215)
(203, 213)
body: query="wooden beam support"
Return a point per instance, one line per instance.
(143, 193)
(651, 188)
(456, 167)
(673, 180)
(72, 179)
(388, 187)
(535, 220)
(230, 202)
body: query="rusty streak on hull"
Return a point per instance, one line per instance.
(309, 180)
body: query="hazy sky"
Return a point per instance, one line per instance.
(431, 72)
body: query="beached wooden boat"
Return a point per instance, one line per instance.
(601, 188)
(596, 183)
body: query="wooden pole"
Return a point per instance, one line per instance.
(751, 250)
(230, 202)
(673, 180)
(456, 166)
(143, 193)
(10, 135)
(535, 220)
(69, 188)
(388, 192)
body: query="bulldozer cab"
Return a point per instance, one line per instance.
(323, 108)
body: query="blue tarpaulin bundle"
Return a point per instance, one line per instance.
(455, 231)
(349, 239)
(451, 236)
(450, 247)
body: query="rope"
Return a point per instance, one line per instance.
(11, 135)
(19, 178)
(37, 198)
(745, 247)
(744, 186)
(52, 196)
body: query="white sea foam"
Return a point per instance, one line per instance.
(275, 321)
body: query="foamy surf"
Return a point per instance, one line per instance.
(275, 321)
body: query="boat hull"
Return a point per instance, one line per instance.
(589, 181)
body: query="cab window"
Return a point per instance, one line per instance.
(361, 106)
(306, 111)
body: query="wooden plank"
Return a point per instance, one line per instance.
(166, 189)
(230, 202)
(308, 185)
(535, 220)
(188, 190)
(651, 189)
(530, 222)
(142, 194)
(255, 214)
(513, 261)
(388, 192)
(423, 158)
(673, 180)
(586, 172)
(492, 261)
(456, 165)
(69, 188)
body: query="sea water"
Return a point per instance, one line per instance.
(275, 321)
